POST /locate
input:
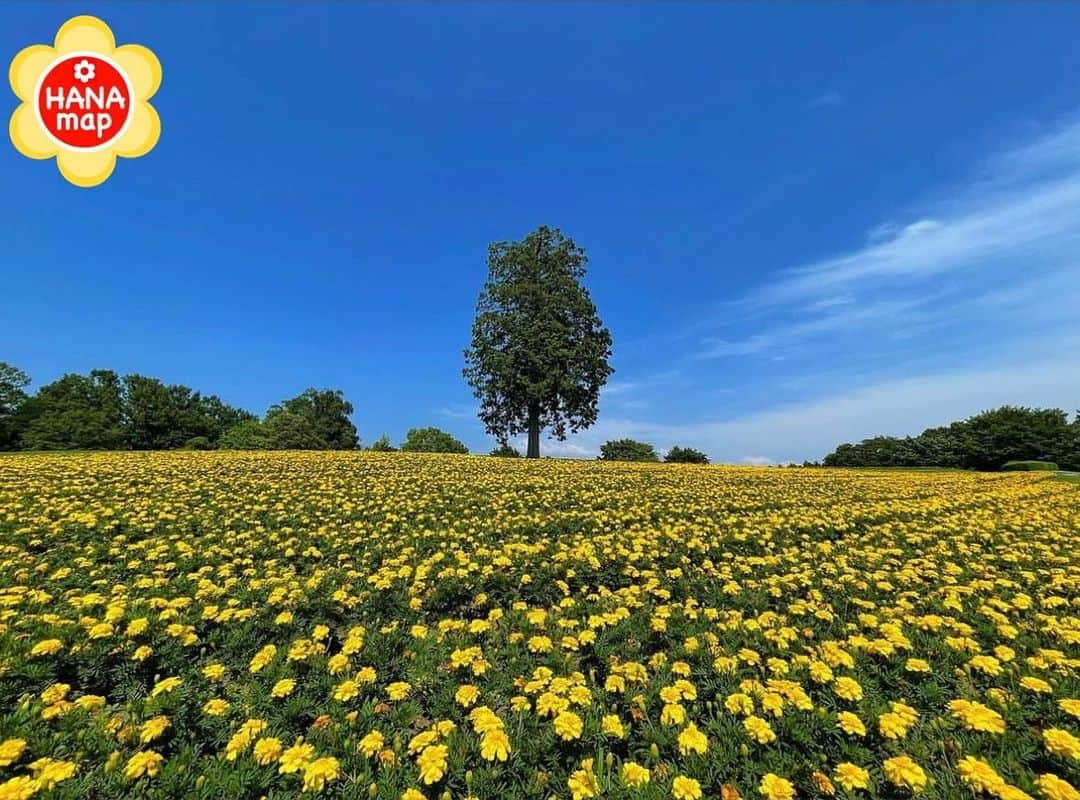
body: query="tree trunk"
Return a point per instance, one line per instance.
(534, 431)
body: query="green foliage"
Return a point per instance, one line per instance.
(984, 441)
(506, 450)
(539, 352)
(431, 440)
(1029, 466)
(157, 416)
(686, 455)
(627, 450)
(13, 382)
(286, 430)
(198, 443)
(76, 412)
(382, 445)
(328, 412)
(246, 435)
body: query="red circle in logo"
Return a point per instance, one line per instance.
(84, 101)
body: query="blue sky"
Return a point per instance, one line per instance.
(806, 223)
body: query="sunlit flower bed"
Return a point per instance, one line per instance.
(395, 626)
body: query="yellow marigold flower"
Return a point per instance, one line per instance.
(337, 664)
(398, 690)
(48, 773)
(165, 686)
(892, 725)
(260, 660)
(371, 744)
(283, 688)
(613, 726)
(153, 728)
(582, 783)
(850, 724)
(904, 773)
(773, 787)
(986, 664)
(1061, 743)
(145, 762)
(977, 717)
(1037, 685)
(494, 746)
(760, 730)
(1054, 788)
(432, 763)
(1070, 706)
(466, 695)
(10, 750)
(412, 794)
(267, 750)
(917, 665)
(520, 703)
(692, 740)
(142, 653)
(91, 702)
(851, 776)
(684, 788)
(739, 703)
(215, 707)
(345, 691)
(568, 725)
(633, 774)
(55, 693)
(672, 714)
(422, 740)
(979, 775)
(47, 647)
(320, 771)
(22, 787)
(102, 630)
(848, 688)
(296, 757)
(214, 672)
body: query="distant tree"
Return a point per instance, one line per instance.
(76, 412)
(431, 440)
(198, 443)
(13, 382)
(222, 416)
(328, 412)
(506, 450)
(382, 445)
(246, 435)
(627, 450)
(686, 455)
(539, 352)
(286, 430)
(1011, 433)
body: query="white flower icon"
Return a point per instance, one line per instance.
(84, 71)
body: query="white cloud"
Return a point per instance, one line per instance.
(809, 430)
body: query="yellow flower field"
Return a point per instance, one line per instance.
(362, 625)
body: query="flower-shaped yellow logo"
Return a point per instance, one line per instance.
(85, 101)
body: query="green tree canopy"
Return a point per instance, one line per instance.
(246, 435)
(382, 445)
(76, 412)
(627, 450)
(328, 412)
(431, 440)
(13, 383)
(685, 455)
(286, 430)
(539, 351)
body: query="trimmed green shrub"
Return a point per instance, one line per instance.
(685, 455)
(382, 445)
(627, 450)
(431, 440)
(1029, 466)
(506, 450)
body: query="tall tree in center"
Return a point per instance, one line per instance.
(539, 351)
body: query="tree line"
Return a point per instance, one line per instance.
(104, 411)
(986, 441)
